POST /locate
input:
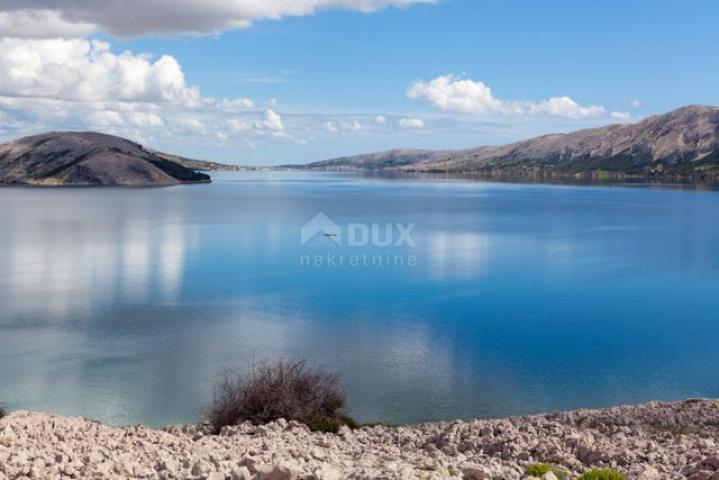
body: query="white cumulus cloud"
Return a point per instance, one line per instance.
(271, 121)
(343, 125)
(106, 118)
(190, 124)
(237, 104)
(59, 84)
(126, 18)
(452, 93)
(411, 123)
(81, 70)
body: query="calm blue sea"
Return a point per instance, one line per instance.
(434, 299)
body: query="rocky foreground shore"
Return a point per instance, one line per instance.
(652, 441)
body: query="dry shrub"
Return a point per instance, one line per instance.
(282, 389)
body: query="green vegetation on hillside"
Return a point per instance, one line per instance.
(178, 171)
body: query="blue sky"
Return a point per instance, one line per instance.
(327, 76)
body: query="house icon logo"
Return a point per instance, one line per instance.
(321, 226)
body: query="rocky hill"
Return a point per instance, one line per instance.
(680, 145)
(89, 159)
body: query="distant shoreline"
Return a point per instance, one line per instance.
(529, 180)
(416, 175)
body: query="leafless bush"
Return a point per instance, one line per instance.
(282, 389)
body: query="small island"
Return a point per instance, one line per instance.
(92, 159)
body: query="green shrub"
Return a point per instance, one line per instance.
(282, 389)
(602, 474)
(331, 424)
(539, 469)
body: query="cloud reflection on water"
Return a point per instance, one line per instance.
(125, 304)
